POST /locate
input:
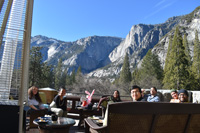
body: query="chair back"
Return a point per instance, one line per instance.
(153, 117)
(35, 114)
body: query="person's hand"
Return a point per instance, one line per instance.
(98, 108)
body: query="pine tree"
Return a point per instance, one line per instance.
(187, 49)
(63, 77)
(178, 65)
(168, 53)
(150, 73)
(35, 69)
(78, 71)
(68, 80)
(40, 73)
(136, 76)
(151, 65)
(196, 61)
(58, 74)
(47, 75)
(167, 66)
(79, 75)
(73, 76)
(125, 74)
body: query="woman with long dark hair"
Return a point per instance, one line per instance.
(34, 100)
(108, 99)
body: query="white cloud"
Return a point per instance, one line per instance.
(159, 3)
(158, 10)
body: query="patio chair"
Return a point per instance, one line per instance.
(33, 115)
(144, 117)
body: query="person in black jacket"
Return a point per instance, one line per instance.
(59, 103)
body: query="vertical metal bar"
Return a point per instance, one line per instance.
(5, 19)
(1, 4)
(25, 61)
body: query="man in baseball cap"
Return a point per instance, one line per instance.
(183, 95)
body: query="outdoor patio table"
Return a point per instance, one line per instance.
(84, 113)
(62, 125)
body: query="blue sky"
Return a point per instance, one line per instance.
(70, 20)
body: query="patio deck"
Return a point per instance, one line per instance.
(72, 113)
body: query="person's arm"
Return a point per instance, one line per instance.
(101, 100)
(31, 103)
(157, 99)
(53, 104)
(33, 107)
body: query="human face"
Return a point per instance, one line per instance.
(115, 94)
(182, 97)
(135, 94)
(174, 95)
(153, 91)
(35, 90)
(62, 92)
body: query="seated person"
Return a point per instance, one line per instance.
(152, 97)
(59, 103)
(144, 95)
(136, 93)
(109, 99)
(34, 100)
(183, 96)
(174, 95)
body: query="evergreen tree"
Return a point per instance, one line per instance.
(136, 76)
(196, 61)
(167, 65)
(68, 80)
(52, 78)
(35, 69)
(150, 73)
(151, 65)
(58, 74)
(40, 74)
(73, 76)
(79, 75)
(168, 53)
(63, 77)
(187, 49)
(178, 65)
(78, 71)
(47, 76)
(125, 74)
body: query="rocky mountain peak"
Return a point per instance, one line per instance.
(102, 56)
(188, 25)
